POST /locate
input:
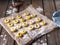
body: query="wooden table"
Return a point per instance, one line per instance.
(49, 6)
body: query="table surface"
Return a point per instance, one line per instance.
(49, 6)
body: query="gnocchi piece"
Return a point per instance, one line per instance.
(19, 35)
(18, 16)
(28, 17)
(26, 14)
(37, 25)
(34, 15)
(16, 21)
(31, 27)
(25, 24)
(38, 19)
(13, 30)
(19, 26)
(10, 24)
(6, 20)
(23, 32)
(43, 23)
(22, 20)
(11, 18)
(32, 22)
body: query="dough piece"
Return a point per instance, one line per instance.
(31, 22)
(34, 15)
(26, 14)
(11, 17)
(43, 23)
(10, 24)
(18, 16)
(31, 27)
(16, 21)
(23, 32)
(6, 21)
(22, 20)
(19, 26)
(25, 24)
(13, 29)
(37, 26)
(28, 17)
(38, 19)
(19, 35)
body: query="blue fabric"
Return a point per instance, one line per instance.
(56, 17)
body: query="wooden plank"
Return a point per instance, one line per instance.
(51, 38)
(57, 36)
(49, 8)
(3, 32)
(37, 3)
(57, 33)
(3, 9)
(3, 6)
(25, 5)
(57, 2)
(41, 40)
(8, 40)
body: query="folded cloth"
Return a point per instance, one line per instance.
(56, 18)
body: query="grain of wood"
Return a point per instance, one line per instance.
(3, 6)
(48, 10)
(57, 3)
(8, 38)
(57, 32)
(57, 35)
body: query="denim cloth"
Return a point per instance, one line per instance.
(56, 18)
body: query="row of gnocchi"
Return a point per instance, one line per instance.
(27, 17)
(24, 24)
(30, 27)
(21, 20)
(21, 34)
(15, 20)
